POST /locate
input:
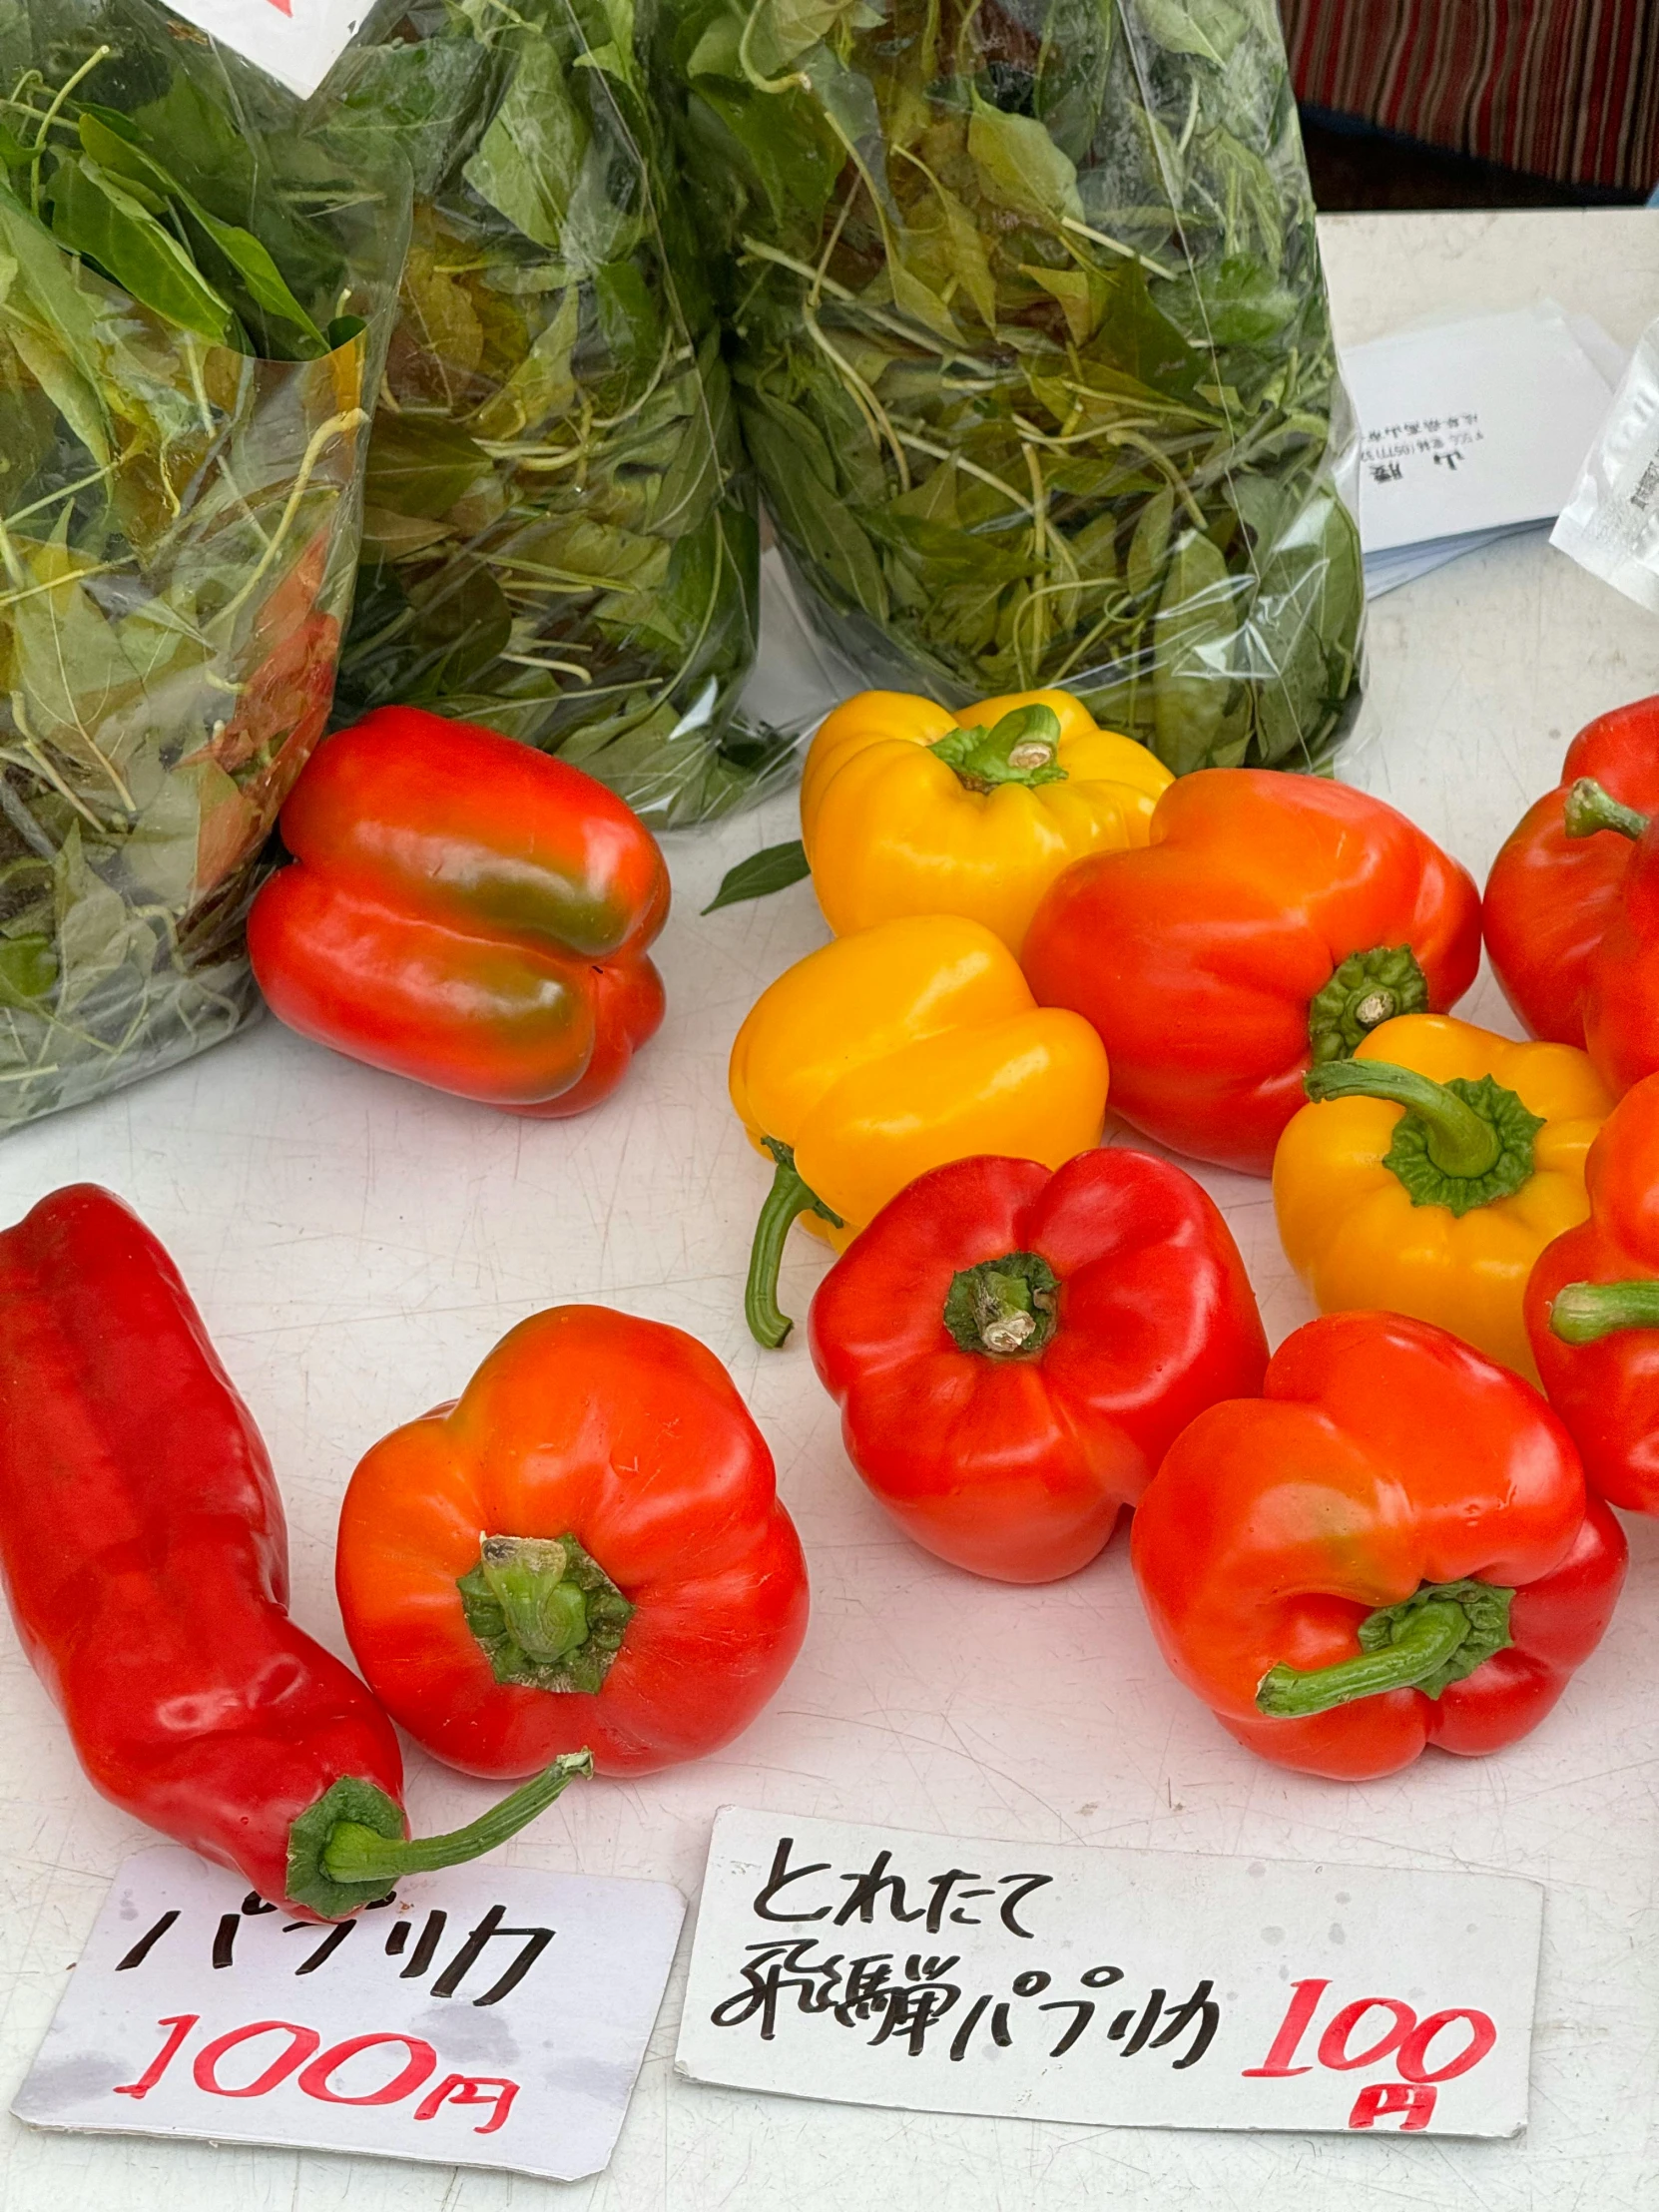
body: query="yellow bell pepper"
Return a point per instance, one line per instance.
(1440, 1162)
(907, 809)
(892, 1052)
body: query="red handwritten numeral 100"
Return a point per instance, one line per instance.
(1406, 2040)
(316, 2069)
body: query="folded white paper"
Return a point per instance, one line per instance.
(1475, 426)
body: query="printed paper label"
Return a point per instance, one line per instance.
(483, 2017)
(1471, 426)
(1113, 1987)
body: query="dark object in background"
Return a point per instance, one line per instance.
(1561, 89)
(1354, 168)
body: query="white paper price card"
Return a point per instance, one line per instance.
(295, 41)
(1114, 1987)
(483, 2017)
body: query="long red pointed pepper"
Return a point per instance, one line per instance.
(146, 1565)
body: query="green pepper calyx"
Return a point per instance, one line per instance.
(349, 1849)
(1460, 1144)
(1021, 749)
(1366, 991)
(546, 1613)
(1003, 1308)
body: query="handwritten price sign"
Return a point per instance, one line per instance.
(1127, 1988)
(485, 2016)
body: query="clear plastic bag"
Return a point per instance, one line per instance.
(1611, 523)
(560, 536)
(1032, 351)
(177, 519)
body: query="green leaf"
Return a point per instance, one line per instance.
(815, 518)
(110, 140)
(70, 670)
(969, 257)
(1192, 641)
(261, 278)
(422, 464)
(28, 970)
(542, 386)
(782, 143)
(530, 161)
(630, 328)
(774, 868)
(61, 343)
(1149, 546)
(1022, 168)
(94, 216)
(1080, 291)
(463, 622)
(1208, 29)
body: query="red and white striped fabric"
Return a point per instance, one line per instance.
(1567, 88)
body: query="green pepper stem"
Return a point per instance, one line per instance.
(546, 1614)
(788, 1198)
(1591, 807)
(1427, 1640)
(1460, 1141)
(1021, 749)
(1580, 1313)
(354, 1853)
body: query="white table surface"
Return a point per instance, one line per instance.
(356, 1246)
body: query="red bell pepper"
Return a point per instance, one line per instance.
(1390, 1547)
(1619, 1000)
(587, 1547)
(1273, 922)
(1592, 1310)
(1014, 1349)
(464, 911)
(1552, 896)
(146, 1565)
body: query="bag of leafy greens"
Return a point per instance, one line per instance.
(187, 287)
(1032, 351)
(560, 537)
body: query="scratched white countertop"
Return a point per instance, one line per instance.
(357, 1245)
